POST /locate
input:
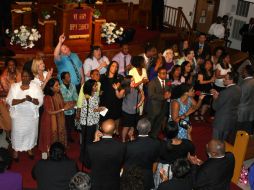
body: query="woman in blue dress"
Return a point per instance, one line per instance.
(182, 106)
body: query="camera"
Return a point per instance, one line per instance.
(184, 124)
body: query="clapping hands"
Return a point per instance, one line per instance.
(194, 159)
(116, 85)
(163, 175)
(145, 80)
(97, 136)
(68, 106)
(103, 64)
(28, 98)
(49, 74)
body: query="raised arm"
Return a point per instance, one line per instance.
(57, 50)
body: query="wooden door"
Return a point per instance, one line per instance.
(205, 14)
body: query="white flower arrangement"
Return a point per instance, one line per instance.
(24, 36)
(111, 32)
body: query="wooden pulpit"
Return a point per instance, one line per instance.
(46, 29)
(76, 23)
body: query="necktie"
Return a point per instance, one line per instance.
(75, 68)
(163, 85)
(125, 64)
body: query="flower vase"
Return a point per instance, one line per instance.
(24, 48)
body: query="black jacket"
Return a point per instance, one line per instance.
(214, 173)
(105, 159)
(143, 152)
(54, 175)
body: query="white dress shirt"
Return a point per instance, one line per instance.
(91, 64)
(119, 58)
(217, 30)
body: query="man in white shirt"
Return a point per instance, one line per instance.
(95, 60)
(123, 58)
(217, 29)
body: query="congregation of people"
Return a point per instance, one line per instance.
(133, 114)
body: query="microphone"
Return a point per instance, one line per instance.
(207, 94)
(198, 93)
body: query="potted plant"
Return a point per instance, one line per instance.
(45, 15)
(96, 13)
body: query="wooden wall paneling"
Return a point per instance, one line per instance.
(46, 28)
(97, 23)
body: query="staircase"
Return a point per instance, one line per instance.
(176, 26)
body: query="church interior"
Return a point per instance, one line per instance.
(83, 21)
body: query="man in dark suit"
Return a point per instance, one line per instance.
(158, 94)
(247, 32)
(143, 152)
(216, 172)
(201, 48)
(246, 106)
(225, 104)
(105, 158)
(56, 172)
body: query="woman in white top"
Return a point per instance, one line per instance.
(41, 77)
(221, 71)
(24, 98)
(138, 72)
(218, 51)
(95, 60)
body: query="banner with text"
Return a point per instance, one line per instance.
(79, 23)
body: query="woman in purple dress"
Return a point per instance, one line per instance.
(8, 180)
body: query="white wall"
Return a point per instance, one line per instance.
(228, 7)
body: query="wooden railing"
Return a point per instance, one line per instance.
(176, 21)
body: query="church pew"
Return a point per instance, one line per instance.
(243, 149)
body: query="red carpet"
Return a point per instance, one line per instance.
(201, 135)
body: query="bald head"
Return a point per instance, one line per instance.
(216, 148)
(108, 127)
